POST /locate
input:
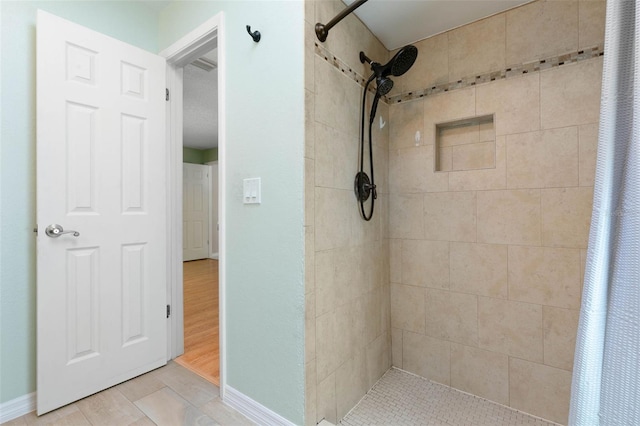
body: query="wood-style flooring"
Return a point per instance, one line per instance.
(201, 349)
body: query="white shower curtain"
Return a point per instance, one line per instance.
(606, 376)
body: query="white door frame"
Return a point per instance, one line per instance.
(202, 39)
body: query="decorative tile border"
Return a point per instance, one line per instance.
(342, 66)
(514, 71)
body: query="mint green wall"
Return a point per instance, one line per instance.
(192, 156)
(199, 156)
(210, 155)
(128, 21)
(265, 138)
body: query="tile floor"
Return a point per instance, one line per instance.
(402, 399)
(171, 395)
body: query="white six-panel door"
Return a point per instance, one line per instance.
(101, 167)
(195, 214)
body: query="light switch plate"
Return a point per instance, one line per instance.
(252, 193)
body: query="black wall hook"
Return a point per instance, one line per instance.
(254, 35)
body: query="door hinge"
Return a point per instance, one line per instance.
(168, 311)
(36, 230)
(166, 94)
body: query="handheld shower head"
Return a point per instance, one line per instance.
(384, 86)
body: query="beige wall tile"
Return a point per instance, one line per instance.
(515, 102)
(425, 263)
(459, 135)
(378, 359)
(566, 216)
(450, 216)
(474, 156)
(479, 269)
(309, 56)
(406, 216)
(540, 390)
(591, 20)
(396, 347)
(444, 162)
(426, 357)
(373, 326)
(331, 208)
(480, 372)
(541, 29)
(309, 124)
(310, 328)
(326, 357)
(485, 178)
(309, 191)
(350, 326)
(413, 170)
(545, 159)
(408, 307)
(310, 394)
(395, 247)
(325, 282)
(511, 328)
(381, 129)
(336, 99)
(560, 327)
(546, 276)
(351, 383)
(449, 106)
(570, 94)
(588, 151)
(336, 157)
(509, 217)
(477, 48)
(431, 66)
(326, 400)
(405, 119)
(452, 316)
(309, 260)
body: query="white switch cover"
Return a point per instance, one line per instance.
(251, 191)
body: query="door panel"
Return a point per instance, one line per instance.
(195, 211)
(101, 167)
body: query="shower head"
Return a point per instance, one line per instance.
(398, 65)
(403, 60)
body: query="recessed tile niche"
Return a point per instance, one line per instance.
(467, 144)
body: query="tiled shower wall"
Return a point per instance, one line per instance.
(486, 265)
(348, 340)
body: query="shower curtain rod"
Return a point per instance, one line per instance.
(322, 31)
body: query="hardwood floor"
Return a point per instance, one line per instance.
(201, 350)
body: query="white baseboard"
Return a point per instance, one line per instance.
(252, 409)
(17, 407)
(213, 256)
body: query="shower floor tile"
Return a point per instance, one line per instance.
(402, 399)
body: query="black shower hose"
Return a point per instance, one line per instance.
(373, 186)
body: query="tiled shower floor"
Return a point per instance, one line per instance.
(402, 399)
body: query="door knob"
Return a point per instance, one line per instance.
(54, 231)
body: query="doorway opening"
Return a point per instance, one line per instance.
(196, 334)
(200, 217)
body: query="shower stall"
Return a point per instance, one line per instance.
(469, 272)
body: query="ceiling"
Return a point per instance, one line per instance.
(400, 22)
